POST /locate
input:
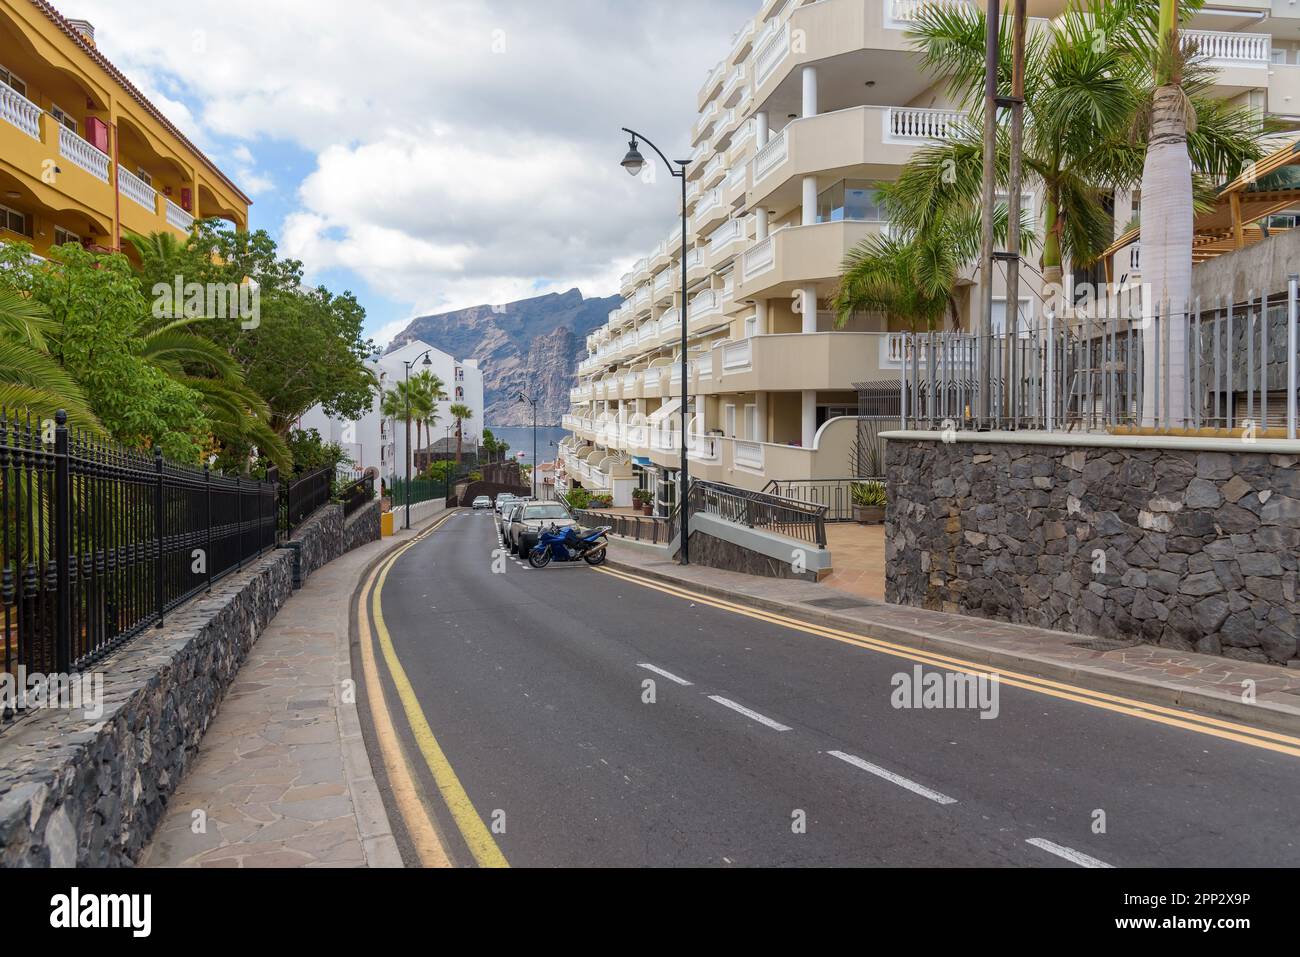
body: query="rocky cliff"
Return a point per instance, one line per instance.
(534, 345)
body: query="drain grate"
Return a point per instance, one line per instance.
(1106, 644)
(839, 603)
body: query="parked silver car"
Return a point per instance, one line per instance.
(503, 519)
(504, 499)
(527, 522)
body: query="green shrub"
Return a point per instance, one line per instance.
(578, 498)
(869, 494)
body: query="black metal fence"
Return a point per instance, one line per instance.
(836, 494)
(99, 543)
(804, 521)
(302, 495)
(656, 530)
(357, 490)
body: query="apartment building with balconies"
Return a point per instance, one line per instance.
(811, 106)
(84, 156)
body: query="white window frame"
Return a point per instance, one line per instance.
(64, 118)
(9, 77)
(4, 224)
(751, 421)
(1025, 318)
(144, 176)
(729, 420)
(71, 236)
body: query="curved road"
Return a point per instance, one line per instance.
(581, 717)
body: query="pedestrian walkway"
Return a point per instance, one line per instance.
(1265, 695)
(858, 554)
(282, 778)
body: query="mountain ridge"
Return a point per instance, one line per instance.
(532, 345)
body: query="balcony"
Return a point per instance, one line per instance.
(726, 241)
(709, 210)
(82, 154)
(704, 125)
(137, 190)
(178, 218)
(796, 361)
(847, 40)
(731, 89)
(705, 305)
(697, 266)
(742, 43)
(861, 142)
(663, 289)
(799, 256)
(20, 111)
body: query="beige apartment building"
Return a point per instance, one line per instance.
(813, 103)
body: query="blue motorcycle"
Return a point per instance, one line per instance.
(570, 545)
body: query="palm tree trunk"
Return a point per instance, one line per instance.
(458, 444)
(1166, 256)
(1052, 237)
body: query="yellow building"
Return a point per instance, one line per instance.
(72, 125)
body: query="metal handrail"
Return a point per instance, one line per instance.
(805, 521)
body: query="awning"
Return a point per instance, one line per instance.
(665, 410)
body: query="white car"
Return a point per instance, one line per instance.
(504, 499)
(482, 502)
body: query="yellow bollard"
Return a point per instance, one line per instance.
(386, 525)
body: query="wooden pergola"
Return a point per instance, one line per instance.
(1269, 186)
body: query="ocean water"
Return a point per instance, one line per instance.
(521, 440)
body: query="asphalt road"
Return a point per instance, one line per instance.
(766, 745)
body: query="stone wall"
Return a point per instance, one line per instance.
(89, 790)
(1183, 548)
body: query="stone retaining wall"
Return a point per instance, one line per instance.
(1187, 549)
(88, 791)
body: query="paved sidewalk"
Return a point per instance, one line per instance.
(1158, 675)
(282, 775)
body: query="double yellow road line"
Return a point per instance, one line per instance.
(1174, 717)
(420, 824)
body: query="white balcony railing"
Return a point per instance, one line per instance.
(137, 190)
(738, 356)
(729, 232)
(908, 11)
(81, 153)
(772, 155)
(759, 258)
(1231, 48)
(20, 111)
(908, 123)
(770, 55)
(178, 218)
(748, 455)
(664, 282)
(708, 202)
(706, 303)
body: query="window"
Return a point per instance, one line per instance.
(751, 422)
(1000, 317)
(63, 118)
(144, 176)
(12, 81)
(62, 236)
(729, 429)
(1277, 56)
(14, 221)
(853, 199)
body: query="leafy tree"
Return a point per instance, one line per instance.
(430, 390)
(96, 313)
(30, 377)
(310, 452)
(461, 413)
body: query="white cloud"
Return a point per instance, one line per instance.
(466, 150)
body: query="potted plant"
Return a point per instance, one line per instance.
(869, 500)
(641, 501)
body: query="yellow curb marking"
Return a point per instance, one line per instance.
(477, 837)
(1256, 737)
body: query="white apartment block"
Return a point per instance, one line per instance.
(813, 103)
(377, 441)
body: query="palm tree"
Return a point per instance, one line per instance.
(1085, 84)
(430, 390)
(912, 274)
(397, 404)
(461, 413)
(29, 376)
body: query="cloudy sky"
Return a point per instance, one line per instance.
(433, 154)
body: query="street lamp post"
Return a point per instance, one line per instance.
(634, 162)
(407, 399)
(532, 475)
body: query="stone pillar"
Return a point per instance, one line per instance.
(808, 307)
(809, 418)
(810, 91)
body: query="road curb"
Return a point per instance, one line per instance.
(1269, 715)
(373, 823)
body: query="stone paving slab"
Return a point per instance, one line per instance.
(282, 777)
(1150, 673)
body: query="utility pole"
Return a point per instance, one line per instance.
(985, 335)
(1017, 103)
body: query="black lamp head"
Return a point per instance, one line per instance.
(633, 162)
